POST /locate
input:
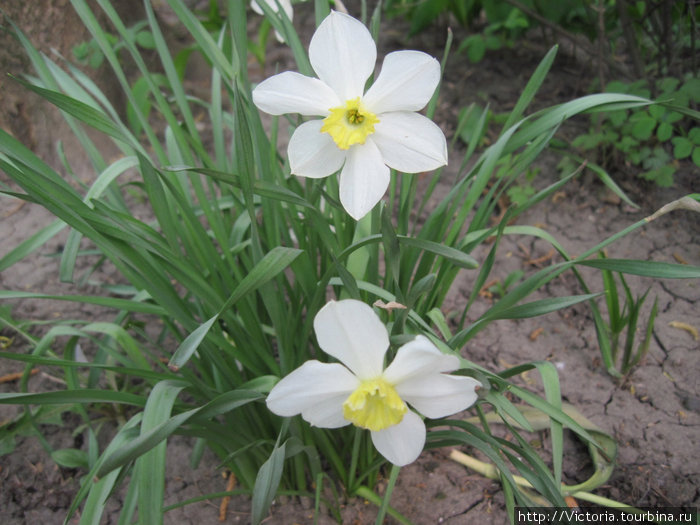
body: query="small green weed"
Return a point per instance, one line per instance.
(89, 52)
(501, 288)
(623, 317)
(651, 139)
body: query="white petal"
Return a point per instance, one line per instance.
(364, 179)
(288, 9)
(286, 6)
(439, 395)
(327, 413)
(343, 54)
(402, 443)
(419, 357)
(279, 37)
(406, 82)
(256, 8)
(312, 153)
(410, 142)
(291, 92)
(316, 391)
(350, 331)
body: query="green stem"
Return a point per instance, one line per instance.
(387, 495)
(350, 483)
(359, 259)
(366, 493)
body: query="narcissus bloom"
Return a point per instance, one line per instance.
(286, 6)
(364, 134)
(362, 392)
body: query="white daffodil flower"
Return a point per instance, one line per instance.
(365, 134)
(286, 6)
(363, 392)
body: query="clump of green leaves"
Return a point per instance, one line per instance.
(89, 51)
(655, 38)
(500, 289)
(473, 127)
(506, 24)
(494, 24)
(623, 318)
(651, 139)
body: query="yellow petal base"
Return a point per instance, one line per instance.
(349, 124)
(374, 405)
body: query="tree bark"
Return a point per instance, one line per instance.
(53, 27)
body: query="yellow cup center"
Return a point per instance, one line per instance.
(349, 124)
(374, 405)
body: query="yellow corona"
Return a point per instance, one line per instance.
(374, 405)
(349, 124)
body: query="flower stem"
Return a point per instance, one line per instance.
(353, 460)
(359, 259)
(365, 492)
(387, 495)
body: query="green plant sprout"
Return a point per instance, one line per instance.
(624, 318)
(89, 52)
(501, 288)
(243, 246)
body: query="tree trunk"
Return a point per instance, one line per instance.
(53, 27)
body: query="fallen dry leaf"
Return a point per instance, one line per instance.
(685, 326)
(391, 305)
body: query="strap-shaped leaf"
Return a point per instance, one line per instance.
(72, 396)
(657, 269)
(31, 244)
(540, 307)
(461, 259)
(98, 492)
(149, 439)
(269, 266)
(150, 466)
(83, 112)
(109, 302)
(533, 85)
(266, 483)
